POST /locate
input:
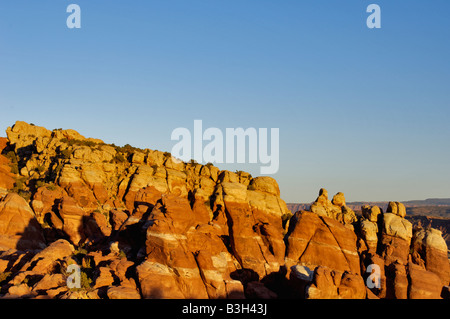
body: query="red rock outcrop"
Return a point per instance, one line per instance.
(395, 240)
(332, 284)
(321, 241)
(19, 228)
(7, 179)
(188, 257)
(432, 250)
(369, 227)
(256, 234)
(141, 224)
(335, 209)
(423, 284)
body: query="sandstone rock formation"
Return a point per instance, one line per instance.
(430, 247)
(332, 284)
(321, 241)
(6, 174)
(396, 234)
(369, 226)
(335, 209)
(19, 228)
(140, 224)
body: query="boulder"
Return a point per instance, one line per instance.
(234, 192)
(117, 218)
(146, 177)
(71, 180)
(20, 291)
(74, 218)
(104, 278)
(120, 292)
(122, 269)
(335, 209)
(432, 248)
(332, 284)
(347, 216)
(323, 206)
(22, 135)
(48, 282)
(396, 226)
(175, 164)
(227, 176)
(45, 261)
(369, 233)
(155, 158)
(396, 208)
(338, 199)
(43, 204)
(88, 154)
(19, 228)
(300, 278)
(95, 178)
(370, 213)
(176, 182)
(265, 184)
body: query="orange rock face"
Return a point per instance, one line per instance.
(6, 176)
(321, 241)
(432, 250)
(424, 284)
(19, 228)
(332, 284)
(188, 257)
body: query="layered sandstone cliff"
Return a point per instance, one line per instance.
(142, 224)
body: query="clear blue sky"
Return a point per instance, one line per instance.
(361, 111)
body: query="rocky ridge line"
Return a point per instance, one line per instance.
(143, 225)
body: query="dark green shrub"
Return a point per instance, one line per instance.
(14, 168)
(39, 184)
(51, 187)
(119, 158)
(72, 142)
(66, 153)
(85, 281)
(11, 156)
(25, 194)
